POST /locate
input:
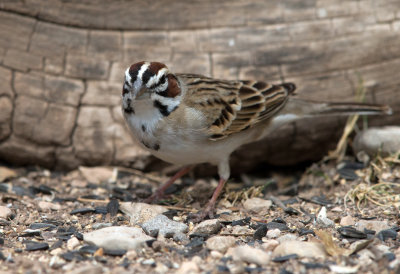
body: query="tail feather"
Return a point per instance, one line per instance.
(355, 108)
(304, 108)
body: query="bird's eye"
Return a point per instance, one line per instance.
(162, 80)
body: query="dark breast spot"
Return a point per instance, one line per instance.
(162, 108)
(143, 128)
(156, 147)
(129, 110)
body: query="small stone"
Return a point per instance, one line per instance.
(242, 230)
(273, 233)
(323, 220)
(220, 243)
(260, 232)
(131, 254)
(33, 246)
(207, 227)
(347, 220)
(188, 267)
(96, 174)
(101, 225)
(344, 269)
(46, 206)
(72, 243)
(56, 262)
(167, 228)
(149, 262)
(82, 210)
(241, 222)
(302, 249)
(285, 258)
(386, 234)
(216, 254)
(374, 225)
(56, 251)
(257, 205)
(351, 232)
(140, 213)
(385, 140)
(270, 245)
(250, 255)
(5, 212)
(276, 225)
(287, 237)
(117, 237)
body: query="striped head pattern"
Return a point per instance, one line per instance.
(153, 77)
(150, 82)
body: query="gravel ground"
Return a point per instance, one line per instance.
(327, 219)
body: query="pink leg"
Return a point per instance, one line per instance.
(160, 192)
(209, 209)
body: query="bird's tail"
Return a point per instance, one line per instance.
(313, 108)
(355, 108)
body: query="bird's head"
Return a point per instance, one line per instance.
(144, 80)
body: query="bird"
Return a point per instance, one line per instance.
(188, 119)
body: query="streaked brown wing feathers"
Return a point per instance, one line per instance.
(233, 106)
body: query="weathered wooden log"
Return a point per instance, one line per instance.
(62, 63)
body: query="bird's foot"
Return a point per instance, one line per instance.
(208, 211)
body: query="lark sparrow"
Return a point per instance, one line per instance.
(188, 119)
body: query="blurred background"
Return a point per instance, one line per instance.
(62, 64)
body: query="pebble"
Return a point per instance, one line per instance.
(101, 225)
(287, 237)
(96, 174)
(220, 243)
(47, 206)
(385, 140)
(33, 246)
(56, 251)
(117, 237)
(257, 205)
(150, 261)
(269, 245)
(161, 225)
(302, 249)
(386, 234)
(260, 232)
(216, 254)
(131, 254)
(323, 220)
(207, 227)
(273, 233)
(56, 262)
(72, 243)
(351, 232)
(250, 255)
(188, 268)
(344, 269)
(140, 213)
(5, 212)
(374, 225)
(278, 225)
(347, 220)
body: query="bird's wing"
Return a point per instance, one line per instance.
(233, 106)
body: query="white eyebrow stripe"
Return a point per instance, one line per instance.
(128, 77)
(138, 83)
(156, 78)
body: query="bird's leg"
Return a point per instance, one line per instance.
(209, 209)
(159, 193)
